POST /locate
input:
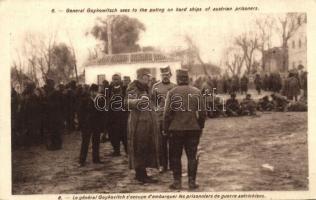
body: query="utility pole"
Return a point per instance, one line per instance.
(109, 33)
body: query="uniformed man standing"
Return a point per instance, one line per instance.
(159, 92)
(143, 136)
(71, 106)
(91, 127)
(118, 116)
(244, 84)
(53, 117)
(184, 117)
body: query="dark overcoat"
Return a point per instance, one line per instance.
(143, 131)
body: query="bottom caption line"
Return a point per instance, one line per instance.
(167, 196)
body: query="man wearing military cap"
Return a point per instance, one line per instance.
(183, 122)
(159, 92)
(143, 146)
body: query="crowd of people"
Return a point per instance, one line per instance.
(150, 137)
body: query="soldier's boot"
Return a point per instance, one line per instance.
(192, 183)
(141, 176)
(176, 185)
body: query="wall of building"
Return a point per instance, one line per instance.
(92, 72)
(297, 48)
(273, 60)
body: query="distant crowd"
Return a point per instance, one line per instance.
(287, 94)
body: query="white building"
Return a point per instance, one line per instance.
(297, 46)
(127, 64)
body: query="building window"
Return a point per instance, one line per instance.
(299, 43)
(293, 44)
(101, 78)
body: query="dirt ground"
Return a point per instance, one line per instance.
(268, 152)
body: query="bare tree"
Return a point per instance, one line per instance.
(38, 52)
(45, 58)
(195, 52)
(265, 27)
(248, 42)
(234, 60)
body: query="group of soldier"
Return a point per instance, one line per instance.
(272, 82)
(141, 115)
(226, 84)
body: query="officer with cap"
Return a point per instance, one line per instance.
(184, 118)
(143, 143)
(159, 92)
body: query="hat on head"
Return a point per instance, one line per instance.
(293, 71)
(50, 82)
(143, 71)
(94, 87)
(72, 84)
(300, 66)
(30, 86)
(165, 70)
(61, 86)
(182, 76)
(182, 73)
(126, 78)
(116, 75)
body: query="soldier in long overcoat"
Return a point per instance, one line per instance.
(53, 116)
(235, 84)
(291, 87)
(244, 84)
(143, 132)
(258, 83)
(30, 112)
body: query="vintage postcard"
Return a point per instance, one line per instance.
(157, 99)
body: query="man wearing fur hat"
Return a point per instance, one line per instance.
(159, 92)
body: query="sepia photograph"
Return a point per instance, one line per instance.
(152, 100)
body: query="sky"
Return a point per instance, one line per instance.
(211, 32)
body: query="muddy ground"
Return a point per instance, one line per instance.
(268, 152)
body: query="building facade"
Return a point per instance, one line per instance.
(297, 46)
(127, 64)
(273, 60)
